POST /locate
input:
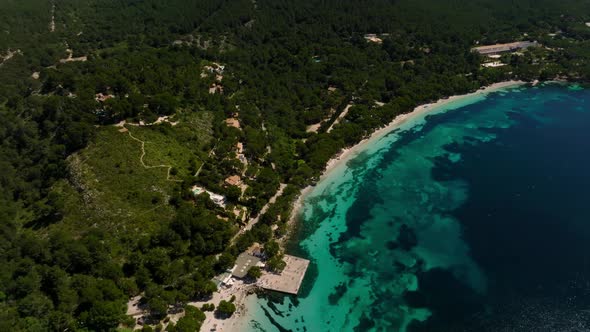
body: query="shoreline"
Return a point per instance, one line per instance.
(348, 153)
(244, 294)
(245, 297)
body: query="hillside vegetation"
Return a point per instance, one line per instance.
(210, 89)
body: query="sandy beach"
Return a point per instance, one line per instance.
(238, 321)
(244, 301)
(348, 153)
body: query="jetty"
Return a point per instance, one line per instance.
(289, 280)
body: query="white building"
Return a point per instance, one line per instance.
(216, 198)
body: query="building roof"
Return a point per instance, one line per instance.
(233, 180)
(216, 198)
(103, 97)
(374, 40)
(232, 122)
(243, 264)
(497, 48)
(221, 279)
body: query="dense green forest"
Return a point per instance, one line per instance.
(92, 214)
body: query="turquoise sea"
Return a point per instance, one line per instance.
(474, 218)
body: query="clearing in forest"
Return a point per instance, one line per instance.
(109, 185)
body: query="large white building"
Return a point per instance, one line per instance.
(500, 48)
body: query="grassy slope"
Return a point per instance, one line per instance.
(108, 186)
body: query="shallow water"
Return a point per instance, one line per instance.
(476, 218)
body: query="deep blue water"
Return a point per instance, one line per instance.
(526, 221)
(476, 219)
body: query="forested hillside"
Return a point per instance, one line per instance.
(112, 110)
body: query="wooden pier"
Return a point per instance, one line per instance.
(289, 281)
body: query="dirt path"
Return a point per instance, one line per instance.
(253, 221)
(52, 23)
(340, 117)
(70, 57)
(204, 161)
(9, 56)
(154, 166)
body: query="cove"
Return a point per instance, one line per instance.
(473, 218)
